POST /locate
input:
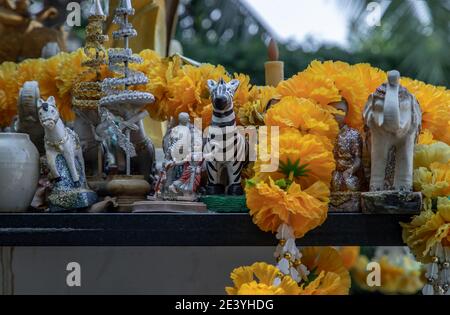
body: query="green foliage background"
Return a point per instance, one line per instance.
(411, 38)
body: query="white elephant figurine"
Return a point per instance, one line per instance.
(59, 140)
(393, 119)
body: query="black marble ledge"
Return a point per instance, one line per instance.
(188, 230)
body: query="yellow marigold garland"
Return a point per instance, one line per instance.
(253, 111)
(65, 80)
(426, 137)
(318, 88)
(370, 76)
(328, 276)
(432, 178)
(328, 272)
(245, 283)
(351, 87)
(297, 193)
(303, 210)
(177, 88)
(308, 150)
(304, 115)
(428, 229)
(435, 104)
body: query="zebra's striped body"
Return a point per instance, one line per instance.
(225, 147)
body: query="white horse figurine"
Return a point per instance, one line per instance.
(59, 140)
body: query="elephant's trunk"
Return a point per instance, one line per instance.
(392, 103)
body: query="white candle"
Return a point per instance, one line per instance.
(274, 68)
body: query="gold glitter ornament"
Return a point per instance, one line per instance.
(86, 95)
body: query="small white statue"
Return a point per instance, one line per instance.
(181, 175)
(393, 121)
(59, 140)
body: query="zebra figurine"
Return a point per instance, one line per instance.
(225, 148)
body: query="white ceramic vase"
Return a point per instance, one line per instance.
(19, 172)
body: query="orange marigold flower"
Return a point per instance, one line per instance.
(308, 151)
(435, 104)
(270, 206)
(308, 85)
(329, 274)
(253, 111)
(426, 137)
(261, 279)
(371, 77)
(304, 115)
(428, 229)
(350, 85)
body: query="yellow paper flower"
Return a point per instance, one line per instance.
(260, 97)
(206, 115)
(315, 87)
(46, 77)
(70, 70)
(348, 81)
(150, 58)
(426, 137)
(395, 279)
(270, 206)
(185, 93)
(434, 181)
(306, 150)
(425, 155)
(188, 91)
(242, 95)
(428, 229)
(329, 274)
(328, 68)
(370, 76)
(259, 279)
(28, 70)
(304, 115)
(160, 74)
(435, 104)
(432, 170)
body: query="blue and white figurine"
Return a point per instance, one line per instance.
(65, 161)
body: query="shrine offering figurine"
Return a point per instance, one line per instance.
(65, 161)
(393, 119)
(125, 102)
(225, 143)
(181, 174)
(347, 179)
(177, 189)
(109, 134)
(87, 92)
